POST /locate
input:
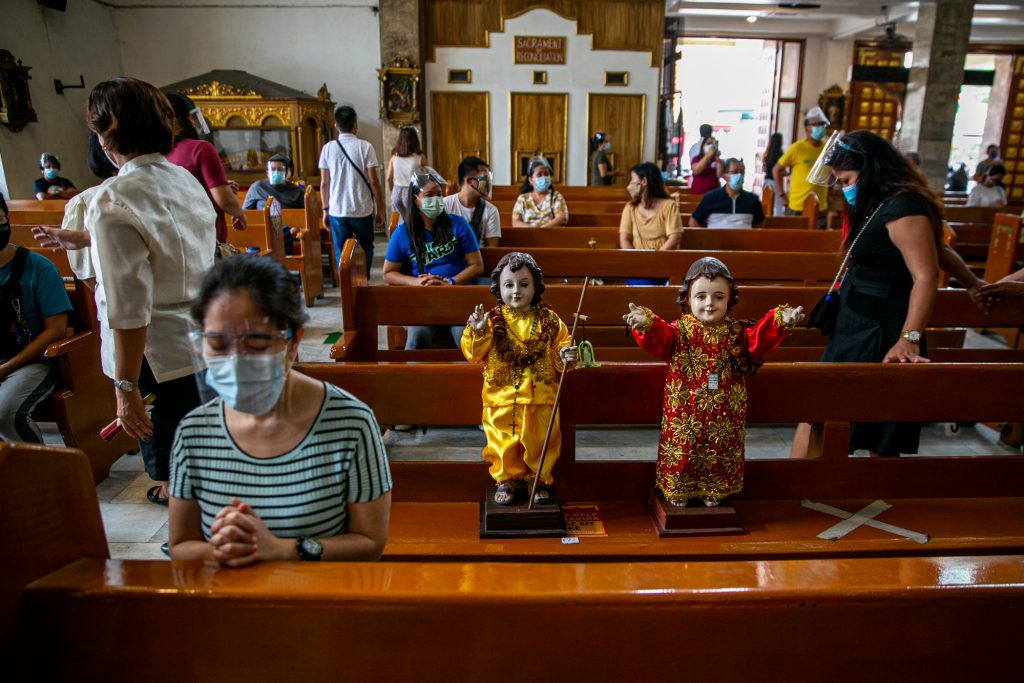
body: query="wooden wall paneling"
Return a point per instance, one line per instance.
(1012, 144)
(460, 127)
(622, 117)
(615, 24)
(538, 127)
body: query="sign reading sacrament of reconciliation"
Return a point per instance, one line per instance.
(540, 50)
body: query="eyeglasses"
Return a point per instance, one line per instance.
(220, 343)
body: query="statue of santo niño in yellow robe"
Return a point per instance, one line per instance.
(523, 346)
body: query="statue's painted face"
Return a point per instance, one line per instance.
(517, 288)
(709, 299)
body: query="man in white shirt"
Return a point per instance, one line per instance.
(349, 187)
(474, 188)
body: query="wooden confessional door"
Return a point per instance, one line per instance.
(622, 117)
(459, 127)
(538, 128)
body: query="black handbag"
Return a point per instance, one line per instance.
(826, 312)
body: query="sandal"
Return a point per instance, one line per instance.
(153, 495)
(542, 496)
(504, 494)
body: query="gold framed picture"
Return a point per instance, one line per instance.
(399, 92)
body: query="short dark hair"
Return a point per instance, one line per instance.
(468, 166)
(733, 160)
(283, 159)
(98, 162)
(516, 260)
(345, 117)
(705, 130)
(710, 268)
(183, 107)
(51, 159)
(132, 116)
(269, 283)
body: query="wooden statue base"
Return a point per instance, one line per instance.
(518, 520)
(671, 520)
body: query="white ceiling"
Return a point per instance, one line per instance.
(837, 19)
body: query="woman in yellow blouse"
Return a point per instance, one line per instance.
(651, 220)
(540, 205)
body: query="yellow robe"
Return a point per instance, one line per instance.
(515, 419)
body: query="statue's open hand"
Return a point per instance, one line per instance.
(568, 354)
(792, 316)
(636, 318)
(478, 318)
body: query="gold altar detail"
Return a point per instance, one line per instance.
(252, 118)
(399, 92)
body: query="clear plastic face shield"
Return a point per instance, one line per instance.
(484, 183)
(245, 361)
(821, 172)
(424, 176)
(201, 126)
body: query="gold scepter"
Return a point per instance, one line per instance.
(558, 396)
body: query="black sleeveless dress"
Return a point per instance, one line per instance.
(875, 296)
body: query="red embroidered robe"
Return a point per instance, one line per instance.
(700, 451)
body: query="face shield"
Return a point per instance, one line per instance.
(245, 361)
(821, 172)
(423, 176)
(201, 127)
(485, 181)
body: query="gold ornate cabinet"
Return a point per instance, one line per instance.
(251, 119)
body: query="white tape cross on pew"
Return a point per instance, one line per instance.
(863, 517)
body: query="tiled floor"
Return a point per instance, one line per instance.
(136, 528)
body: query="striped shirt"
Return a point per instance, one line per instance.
(303, 492)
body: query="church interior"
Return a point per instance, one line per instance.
(798, 504)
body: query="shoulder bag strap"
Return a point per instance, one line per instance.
(355, 166)
(841, 275)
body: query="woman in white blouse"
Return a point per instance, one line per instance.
(152, 232)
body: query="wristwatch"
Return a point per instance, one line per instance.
(912, 336)
(310, 549)
(125, 385)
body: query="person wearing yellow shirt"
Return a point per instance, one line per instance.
(799, 159)
(523, 346)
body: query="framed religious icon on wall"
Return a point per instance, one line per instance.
(399, 87)
(833, 103)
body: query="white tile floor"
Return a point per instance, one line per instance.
(136, 528)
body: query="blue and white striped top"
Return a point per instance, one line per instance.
(303, 492)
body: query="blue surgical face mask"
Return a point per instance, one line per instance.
(850, 193)
(276, 177)
(607, 146)
(736, 181)
(248, 382)
(51, 173)
(817, 132)
(542, 183)
(432, 207)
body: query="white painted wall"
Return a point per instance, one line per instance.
(826, 63)
(61, 45)
(494, 71)
(300, 44)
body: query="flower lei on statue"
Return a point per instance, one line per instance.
(514, 355)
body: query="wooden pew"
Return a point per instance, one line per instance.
(366, 309)
(307, 260)
(36, 204)
(807, 618)
(746, 266)
(578, 206)
(763, 239)
(36, 217)
(570, 192)
(50, 517)
(262, 232)
(1004, 249)
(796, 600)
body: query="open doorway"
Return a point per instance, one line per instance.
(981, 108)
(745, 89)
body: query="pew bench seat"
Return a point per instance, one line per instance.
(899, 618)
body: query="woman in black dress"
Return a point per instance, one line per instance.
(889, 288)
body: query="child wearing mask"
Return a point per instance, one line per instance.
(710, 356)
(51, 185)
